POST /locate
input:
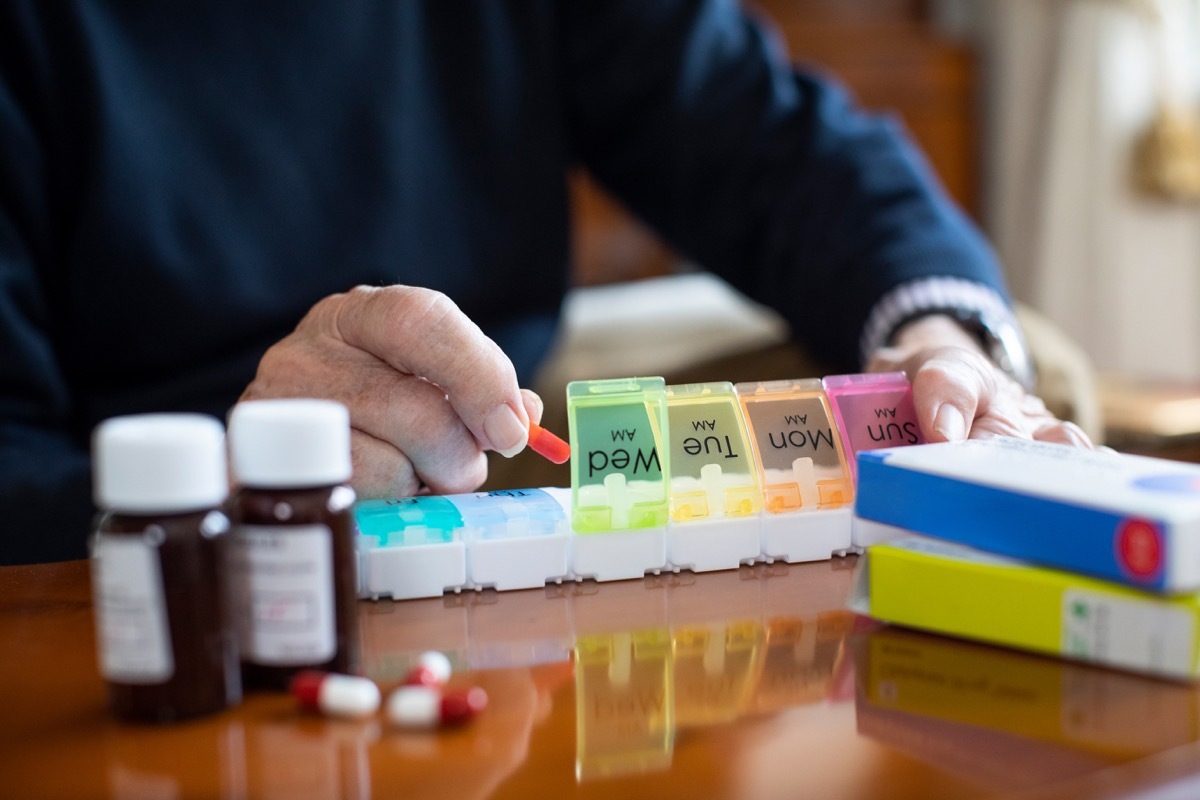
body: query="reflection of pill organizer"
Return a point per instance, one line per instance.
(698, 477)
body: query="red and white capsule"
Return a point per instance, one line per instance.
(336, 695)
(426, 707)
(432, 669)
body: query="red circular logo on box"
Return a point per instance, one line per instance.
(1140, 548)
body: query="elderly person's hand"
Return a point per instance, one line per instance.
(428, 392)
(959, 393)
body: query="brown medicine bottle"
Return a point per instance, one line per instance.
(294, 562)
(166, 649)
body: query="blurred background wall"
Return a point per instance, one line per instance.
(1092, 170)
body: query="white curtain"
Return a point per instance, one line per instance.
(1071, 85)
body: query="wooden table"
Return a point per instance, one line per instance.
(741, 684)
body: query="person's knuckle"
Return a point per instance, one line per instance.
(460, 475)
(425, 306)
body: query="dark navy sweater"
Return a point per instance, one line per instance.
(180, 182)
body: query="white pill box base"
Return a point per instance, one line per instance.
(805, 535)
(431, 570)
(619, 555)
(518, 562)
(504, 557)
(515, 556)
(414, 571)
(711, 544)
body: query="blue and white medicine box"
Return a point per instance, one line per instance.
(1119, 517)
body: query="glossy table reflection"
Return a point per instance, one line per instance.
(739, 684)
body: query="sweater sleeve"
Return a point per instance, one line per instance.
(44, 468)
(692, 115)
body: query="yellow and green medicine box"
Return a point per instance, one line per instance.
(951, 589)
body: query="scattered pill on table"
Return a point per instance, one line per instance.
(335, 694)
(432, 669)
(427, 708)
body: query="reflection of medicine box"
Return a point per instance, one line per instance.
(1118, 517)
(1041, 698)
(951, 589)
(424, 546)
(1003, 762)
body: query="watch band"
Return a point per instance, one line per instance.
(977, 307)
(1001, 339)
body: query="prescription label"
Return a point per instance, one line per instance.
(283, 583)
(131, 611)
(1126, 632)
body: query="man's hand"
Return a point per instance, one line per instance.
(428, 392)
(959, 393)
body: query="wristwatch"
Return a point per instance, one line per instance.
(1002, 341)
(998, 335)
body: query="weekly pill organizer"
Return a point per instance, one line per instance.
(696, 477)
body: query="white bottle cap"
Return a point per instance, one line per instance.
(290, 443)
(159, 463)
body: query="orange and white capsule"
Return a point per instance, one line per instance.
(336, 695)
(432, 669)
(427, 708)
(548, 445)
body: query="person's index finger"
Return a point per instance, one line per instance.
(422, 332)
(950, 378)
